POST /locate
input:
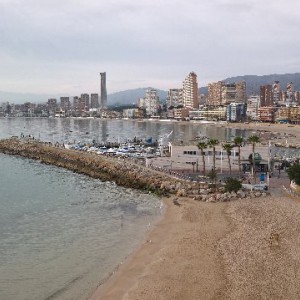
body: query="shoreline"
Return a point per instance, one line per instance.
(158, 251)
(243, 249)
(175, 268)
(127, 271)
(226, 276)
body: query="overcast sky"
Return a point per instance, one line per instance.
(60, 46)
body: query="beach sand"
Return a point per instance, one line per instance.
(243, 249)
(165, 265)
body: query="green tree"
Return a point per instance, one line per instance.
(294, 173)
(228, 147)
(201, 146)
(253, 139)
(213, 143)
(238, 141)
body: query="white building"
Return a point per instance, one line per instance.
(235, 112)
(174, 98)
(253, 104)
(151, 102)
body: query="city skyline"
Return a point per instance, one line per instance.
(58, 47)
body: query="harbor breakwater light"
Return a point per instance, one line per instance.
(120, 171)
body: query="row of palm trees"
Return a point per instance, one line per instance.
(237, 142)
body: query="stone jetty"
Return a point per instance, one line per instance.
(121, 171)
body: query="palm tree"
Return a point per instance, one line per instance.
(201, 146)
(212, 143)
(238, 141)
(228, 147)
(254, 139)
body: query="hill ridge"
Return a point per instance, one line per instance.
(130, 96)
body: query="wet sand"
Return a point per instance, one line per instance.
(243, 249)
(165, 265)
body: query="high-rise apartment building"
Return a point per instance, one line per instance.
(76, 105)
(276, 93)
(290, 94)
(221, 93)
(214, 96)
(151, 102)
(236, 112)
(253, 104)
(266, 97)
(228, 93)
(52, 104)
(241, 95)
(174, 98)
(103, 91)
(84, 102)
(190, 91)
(65, 104)
(94, 101)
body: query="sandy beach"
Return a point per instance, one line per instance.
(243, 249)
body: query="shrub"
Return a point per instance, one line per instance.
(232, 184)
(294, 173)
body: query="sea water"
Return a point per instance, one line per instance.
(61, 233)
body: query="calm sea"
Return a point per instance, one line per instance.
(61, 233)
(85, 130)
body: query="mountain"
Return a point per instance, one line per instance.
(253, 82)
(131, 96)
(127, 97)
(120, 98)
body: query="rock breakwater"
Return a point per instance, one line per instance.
(122, 172)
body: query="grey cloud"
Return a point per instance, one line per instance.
(148, 40)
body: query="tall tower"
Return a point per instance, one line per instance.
(190, 91)
(103, 91)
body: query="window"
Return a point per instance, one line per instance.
(189, 152)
